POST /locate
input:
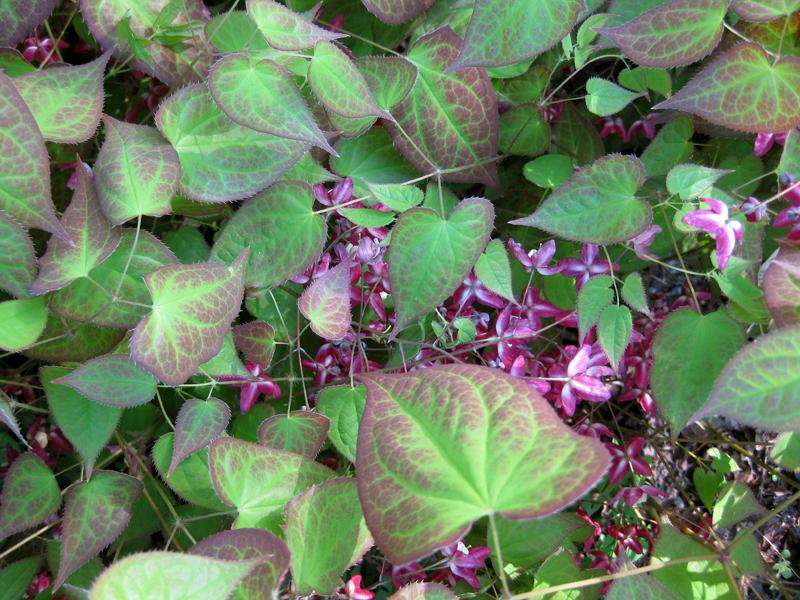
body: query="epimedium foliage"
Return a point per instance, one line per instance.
(350, 299)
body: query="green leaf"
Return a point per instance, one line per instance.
(786, 451)
(30, 495)
(65, 101)
(671, 146)
(193, 306)
(95, 513)
(8, 419)
(707, 485)
(265, 579)
(256, 340)
(71, 341)
(575, 135)
(735, 503)
(221, 160)
(113, 380)
(758, 387)
(262, 95)
(281, 230)
(395, 196)
(331, 512)
(494, 270)
(742, 90)
(450, 117)
(598, 205)
(692, 181)
(673, 34)
(344, 406)
(93, 239)
(25, 167)
(426, 474)
(633, 293)
(307, 169)
(524, 131)
(17, 258)
(16, 577)
(170, 575)
(394, 12)
(642, 79)
(16, 22)
(429, 256)
(22, 322)
(501, 34)
(284, 29)
(614, 330)
(136, 172)
(259, 481)
(300, 431)
(689, 352)
(549, 171)
(371, 158)
(234, 31)
(746, 557)
(527, 87)
(226, 361)
(782, 285)
(188, 244)
(594, 297)
(423, 591)
(559, 569)
(390, 78)
(199, 423)
(764, 10)
(326, 303)
(368, 217)
(790, 157)
(606, 98)
(527, 543)
(640, 587)
(191, 479)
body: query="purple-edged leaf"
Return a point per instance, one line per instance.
(17, 258)
(782, 285)
(344, 406)
(93, 239)
(193, 306)
(24, 165)
(84, 301)
(63, 340)
(256, 340)
(264, 581)
(221, 160)
(390, 78)
(199, 423)
(743, 90)
(262, 95)
(640, 587)
(396, 11)
(429, 256)
(18, 18)
(451, 117)
(598, 205)
(8, 419)
(299, 431)
(501, 32)
(65, 101)
(423, 591)
(281, 230)
(95, 513)
(136, 172)
(671, 35)
(30, 495)
(441, 448)
(173, 64)
(326, 303)
(764, 10)
(170, 575)
(760, 386)
(112, 380)
(22, 322)
(331, 512)
(339, 85)
(284, 29)
(259, 481)
(735, 503)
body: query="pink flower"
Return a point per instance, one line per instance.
(535, 259)
(646, 127)
(754, 210)
(41, 50)
(611, 125)
(765, 141)
(627, 458)
(715, 223)
(472, 289)
(587, 266)
(789, 217)
(463, 562)
(253, 390)
(632, 495)
(583, 375)
(354, 590)
(641, 243)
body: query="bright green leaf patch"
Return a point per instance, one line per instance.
(344, 406)
(22, 322)
(284, 29)
(494, 270)
(691, 181)
(607, 98)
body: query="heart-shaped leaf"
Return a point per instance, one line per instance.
(759, 386)
(284, 29)
(782, 285)
(435, 453)
(786, 451)
(429, 256)
(672, 34)
(190, 479)
(261, 95)
(735, 503)
(112, 379)
(259, 481)
(199, 423)
(193, 306)
(18, 19)
(95, 513)
(136, 172)
(17, 258)
(451, 117)
(64, 340)
(742, 89)
(326, 303)
(234, 31)
(423, 591)
(264, 581)
(22, 322)
(65, 101)
(396, 196)
(494, 270)
(633, 293)
(281, 230)
(221, 160)
(30, 495)
(598, 205)
(764, 10)
(692, 181)
(524, 131)
(390, 78)
(331, 512)
(501, 34)
(671, 146)
(396, 11)
(344, 406)
(300, 431)
(614, 330)
(594, 297)
(256, 340)
(25, 168)
(606, 97)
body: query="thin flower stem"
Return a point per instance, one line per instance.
(747, 39)
(130, 258)
(27, 539)
(499, 553)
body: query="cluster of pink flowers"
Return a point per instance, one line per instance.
(616, 126)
